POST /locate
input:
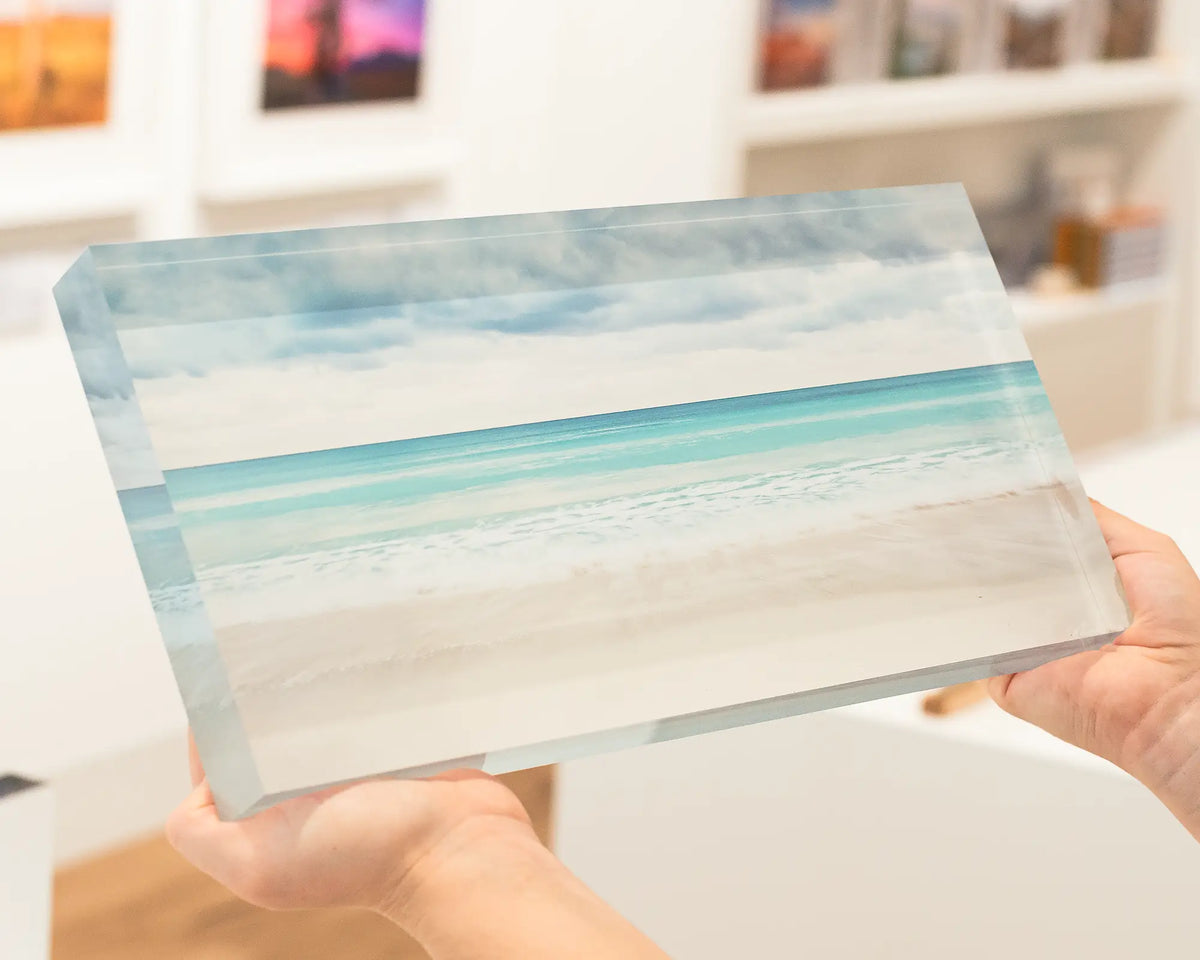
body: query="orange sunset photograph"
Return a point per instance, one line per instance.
(54, 62)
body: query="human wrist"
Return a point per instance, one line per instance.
(1163, 751)
(472, 856)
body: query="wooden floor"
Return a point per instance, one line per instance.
(144, 902)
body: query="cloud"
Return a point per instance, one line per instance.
(388, 266)
(254, 346)
(131, 460)
(846, 292)
(199, 349)
(462, 369)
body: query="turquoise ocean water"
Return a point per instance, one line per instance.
(525, 504)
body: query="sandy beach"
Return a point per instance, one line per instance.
(602, 649)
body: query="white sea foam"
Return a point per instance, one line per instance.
(618, 532)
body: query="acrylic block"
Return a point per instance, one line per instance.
(505, 491)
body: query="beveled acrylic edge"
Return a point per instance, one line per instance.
(314, 240)
(261, 275)
(217, 729)
(718, 718)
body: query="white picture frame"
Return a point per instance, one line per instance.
(93, 171)
(249, 153)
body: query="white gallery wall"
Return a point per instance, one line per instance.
(540, 104)
(548, 105)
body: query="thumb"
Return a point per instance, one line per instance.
(195, 768)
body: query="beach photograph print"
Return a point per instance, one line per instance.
(342, 51)
(503, 491)
(54, 62)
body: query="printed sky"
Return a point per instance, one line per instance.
(553, 324)
(370, 27)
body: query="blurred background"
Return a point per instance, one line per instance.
(1075, 127)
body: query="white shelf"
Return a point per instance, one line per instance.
(326, 171)
(898, 106)
(1034, 311)
(73, 174)
(46, 200)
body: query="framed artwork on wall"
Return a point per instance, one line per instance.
(337, 94)
(78, 81)
(321, 52)
(54, 63)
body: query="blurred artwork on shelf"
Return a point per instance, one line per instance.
(799, 43)
(982, 48)
(1018, 229)
(54, 62)
(1036, 33)
(1101, 240)
(1124, 246)
(1084, 30)
(929, 37)
(1084, 179)
(342, 51)
(1131, 29)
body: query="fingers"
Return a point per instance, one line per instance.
(190, 821)
(463, 773)
(1125, 536)
(199, 835)
(194, 766)
(191, 825)
(997, 688)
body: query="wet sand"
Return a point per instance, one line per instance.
(394, 686)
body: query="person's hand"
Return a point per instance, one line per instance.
(1137, 701)
(354, 845)
(453, 860)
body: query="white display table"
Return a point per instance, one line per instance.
(26, 862)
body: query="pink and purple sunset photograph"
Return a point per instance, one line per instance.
(342, 51)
